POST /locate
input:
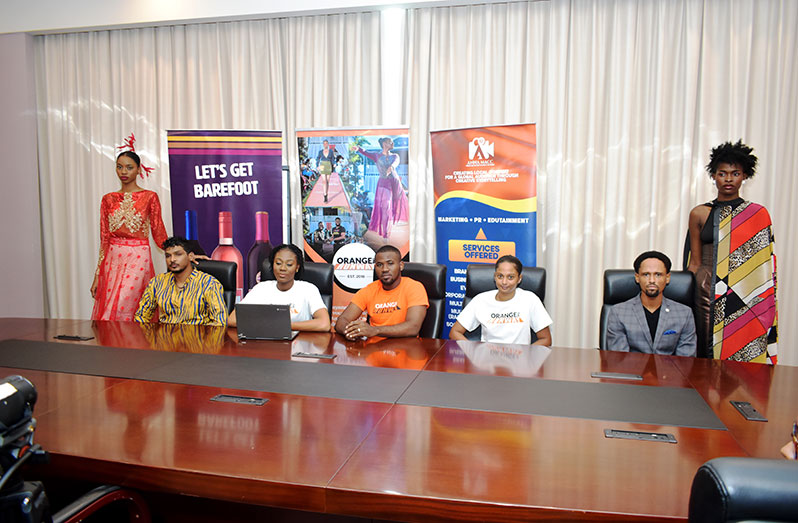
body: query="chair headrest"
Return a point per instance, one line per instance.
(479, 278)
(620, 285)
(319, 274)
(223, 271)
(431, 275)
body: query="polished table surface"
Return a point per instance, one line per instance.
(392, 461)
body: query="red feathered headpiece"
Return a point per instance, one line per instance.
(129, 144)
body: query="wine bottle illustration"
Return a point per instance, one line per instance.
(260, 250)
(226, 251)
(192, 234)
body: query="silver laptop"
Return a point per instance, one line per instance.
(264, 322)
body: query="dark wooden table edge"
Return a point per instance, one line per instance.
(420, 509)
(254, 491)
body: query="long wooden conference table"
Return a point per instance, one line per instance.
(406, 430)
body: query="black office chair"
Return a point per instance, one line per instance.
(225, 272)
(620, 285)
(319, 274)
(744, 489)
(433, 277)
(479, 278)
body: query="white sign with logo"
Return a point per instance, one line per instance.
(354, 266)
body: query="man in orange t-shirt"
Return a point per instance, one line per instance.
(396, 306)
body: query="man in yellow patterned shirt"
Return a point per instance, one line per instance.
(182, 294)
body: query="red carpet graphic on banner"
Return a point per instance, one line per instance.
(336, 194)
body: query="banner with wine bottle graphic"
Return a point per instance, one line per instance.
(485, 181)
(227, 195)
(354, 201)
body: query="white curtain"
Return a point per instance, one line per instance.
(629, 97)
(95, 88)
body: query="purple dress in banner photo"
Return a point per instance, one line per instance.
(390, 200)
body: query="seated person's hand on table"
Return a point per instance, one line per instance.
(358, 328)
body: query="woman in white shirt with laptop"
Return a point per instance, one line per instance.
(308, 312)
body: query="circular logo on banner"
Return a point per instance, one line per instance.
(354, 266)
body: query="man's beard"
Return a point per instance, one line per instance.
(652, 293)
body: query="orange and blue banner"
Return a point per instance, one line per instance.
(485, 181)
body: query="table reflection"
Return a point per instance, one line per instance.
(201, 339)
(394, 353)
(139, 402)
(651, 369)
(126, 334)
(496, 359)
(313, 343)
(291, 438)
(505, 360)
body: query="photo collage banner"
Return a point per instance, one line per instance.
(354, 198)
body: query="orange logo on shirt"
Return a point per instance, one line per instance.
(501, 318)
(386, 308)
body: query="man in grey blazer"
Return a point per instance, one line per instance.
(650, 322)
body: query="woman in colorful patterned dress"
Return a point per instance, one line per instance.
(731, 254)
(125, 264)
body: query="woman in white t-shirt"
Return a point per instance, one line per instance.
(508, 314)
(308, 312)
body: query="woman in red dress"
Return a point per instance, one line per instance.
(125, 264)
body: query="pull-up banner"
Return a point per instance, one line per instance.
(485, 181)
(354, 201)
(227, 195)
